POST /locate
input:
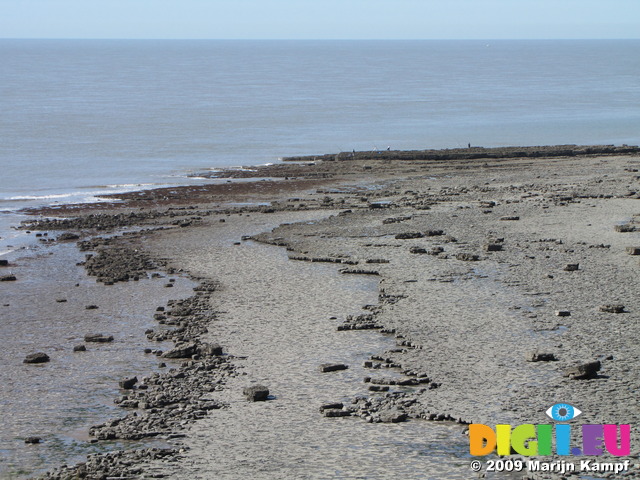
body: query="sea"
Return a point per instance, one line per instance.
(84, 118)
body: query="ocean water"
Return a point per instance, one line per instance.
(82, 118)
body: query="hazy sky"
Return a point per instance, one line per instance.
(320, 19)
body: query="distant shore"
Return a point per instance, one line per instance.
(499, 272)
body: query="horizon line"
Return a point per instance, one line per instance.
(323, 39)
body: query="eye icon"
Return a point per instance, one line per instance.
(562, 412)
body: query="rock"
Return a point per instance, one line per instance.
(536, 356)
(433, 233)
(61, 300)
(38, 357)
(393, 416)
(511, 218)
(185, 350)
(336, 413)
(378, 388)
(614, 308)
(417, 250)
(624, 228)
(571, 267)
(467, 257)
(409, 235)
(91, 307)
(563, 313)
(4, 263)
(8, 278)
(633, 250)
(333, 406)
(492, 247)
(583, 371)
(332, 367)
(128, 383)
(209, 349)
(98, 338)
(79, 348)
(256, 393)
(32, 440)
(68, 236)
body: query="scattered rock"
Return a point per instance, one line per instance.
(511, 218)
(32, 440)
(536, 356)
(91, 307)
(185, 350)
(409, 235)
(626, 228)
(393, 416)
(256, 393)
(492, 247)
(8, 278)
(98, 338)
(613, 308)
(571, 267)
(68, 236)
(128, 383)
(467, 257)
(417, 250)
(38, 357)
(332, 367)
(334, 406)
(563, 313)
(80, 348)
(583, 371)
(61, 300)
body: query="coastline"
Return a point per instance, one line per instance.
(420, 229)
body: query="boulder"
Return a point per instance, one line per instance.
(185, 350)
(393, 416)
(583, 371)
(332, 367)
(256, 393)
(38, 357)
(209, 349)
(79, 348)
(571, 267)
(32, 440)
(4, 263)
(613, 308)
(492, 247)
(98, 338)
(128, 383)
(8, 278)
(536, 356)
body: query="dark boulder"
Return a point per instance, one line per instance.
(38, 357)
(256, 393)
(98, 338)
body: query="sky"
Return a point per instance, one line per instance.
(321, 19)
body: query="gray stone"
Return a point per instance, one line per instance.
(128, 383)
(571, 267)
(38, 357)
(256, 393)
(613, 308)
(185, 350)
(536, 356)
(98, 338)
(79, 348)
(393, 416)
(209, 349)
(332, 367)
(633, 250)
(583, 371)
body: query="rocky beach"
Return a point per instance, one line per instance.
(348, 315)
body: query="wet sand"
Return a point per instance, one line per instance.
(463, 263)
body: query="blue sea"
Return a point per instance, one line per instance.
(85, 117)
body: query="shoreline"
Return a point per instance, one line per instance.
(422, 228)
